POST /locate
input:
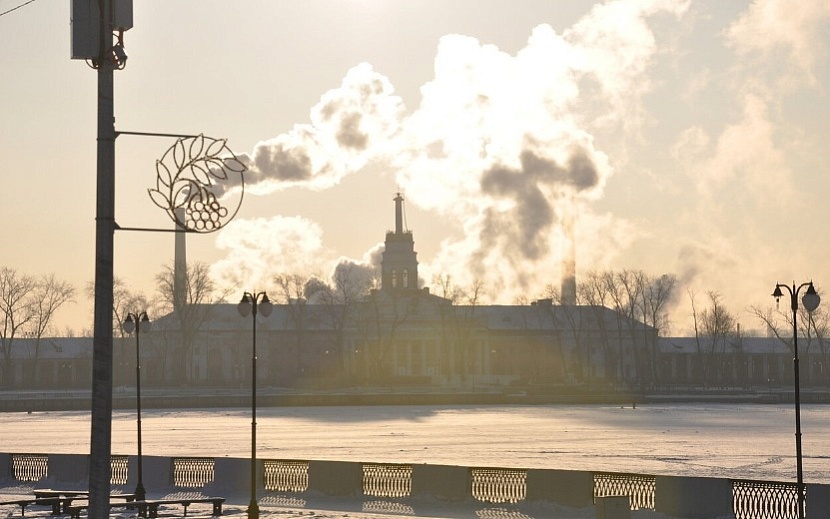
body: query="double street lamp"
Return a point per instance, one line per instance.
(811, 301)
(139, 323)
(252, 304)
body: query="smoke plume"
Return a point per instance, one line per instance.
(501, 146)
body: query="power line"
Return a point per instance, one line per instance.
(16, 8)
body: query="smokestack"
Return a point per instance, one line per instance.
(568, 258)
(180, 264)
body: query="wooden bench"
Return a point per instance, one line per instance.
(66, 497)
(153, 505)
(150, 507)
(54, 502)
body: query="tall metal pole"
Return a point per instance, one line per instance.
(253, 507)
(140, 493)
(798, 464)
(252, 304)
(101, 427)
(811, 301)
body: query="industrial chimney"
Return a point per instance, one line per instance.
(568, 257)
(180, 264)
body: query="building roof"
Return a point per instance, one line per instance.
(755, 345)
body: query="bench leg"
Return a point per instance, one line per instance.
(154, 511)
(217, 508)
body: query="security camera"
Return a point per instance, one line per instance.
(120, 55)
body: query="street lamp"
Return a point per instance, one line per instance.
(811, 301)
(252, 304)
(139, 323)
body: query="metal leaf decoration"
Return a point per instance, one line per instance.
(192, 178)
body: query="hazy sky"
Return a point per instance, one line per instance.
(686, 137)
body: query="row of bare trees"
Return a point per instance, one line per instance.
(29, 304)
(27, 307)
(187, 312)
(638, 299)
(812, 328)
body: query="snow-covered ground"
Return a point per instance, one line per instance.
(739, 441)
(715, 440)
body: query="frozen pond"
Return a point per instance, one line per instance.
(738, 441)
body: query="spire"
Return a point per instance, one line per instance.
(399, 263)
(398, 213)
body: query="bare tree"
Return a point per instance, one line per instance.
(16, 310)
(291, 292)
(656, 293)
(49, 295)
(124, 301)
(579, 367)
(594, 292)
(378, 320)
(813, 329)
(713, 327)
(190, 310)
(458, 323)
(350, 283)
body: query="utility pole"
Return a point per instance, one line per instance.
(94, 24)
(101, 440)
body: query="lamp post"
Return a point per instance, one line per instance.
(139, 322)
(811, 301)
(252, 304)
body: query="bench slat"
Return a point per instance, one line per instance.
(150, 506)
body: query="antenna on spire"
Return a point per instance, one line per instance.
(399, 224)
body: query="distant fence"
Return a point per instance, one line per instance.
(401, 488)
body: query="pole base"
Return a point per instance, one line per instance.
(253, 510)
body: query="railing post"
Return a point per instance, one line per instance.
(572, 488)
(444, 482)
(699, 498)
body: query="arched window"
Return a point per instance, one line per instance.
(394, 278)
(405, 278)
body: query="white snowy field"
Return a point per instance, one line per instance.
(736, 441)
(714, 440)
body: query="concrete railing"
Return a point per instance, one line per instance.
(403, 488)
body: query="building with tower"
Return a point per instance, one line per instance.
(397, 334)
(401, 334)
(399, 266)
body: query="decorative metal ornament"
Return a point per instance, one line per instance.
(194, 182)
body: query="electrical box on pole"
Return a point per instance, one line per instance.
(85, 21)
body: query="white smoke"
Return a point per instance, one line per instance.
(500, 145)
(349, 125)
(504, 144)
(258, 249)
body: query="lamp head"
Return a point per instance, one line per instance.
(145, 325)
(811, 299)
(265, 305)
(128, 325)
(244, 307)
(777, 294)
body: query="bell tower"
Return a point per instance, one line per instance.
(399, 264)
